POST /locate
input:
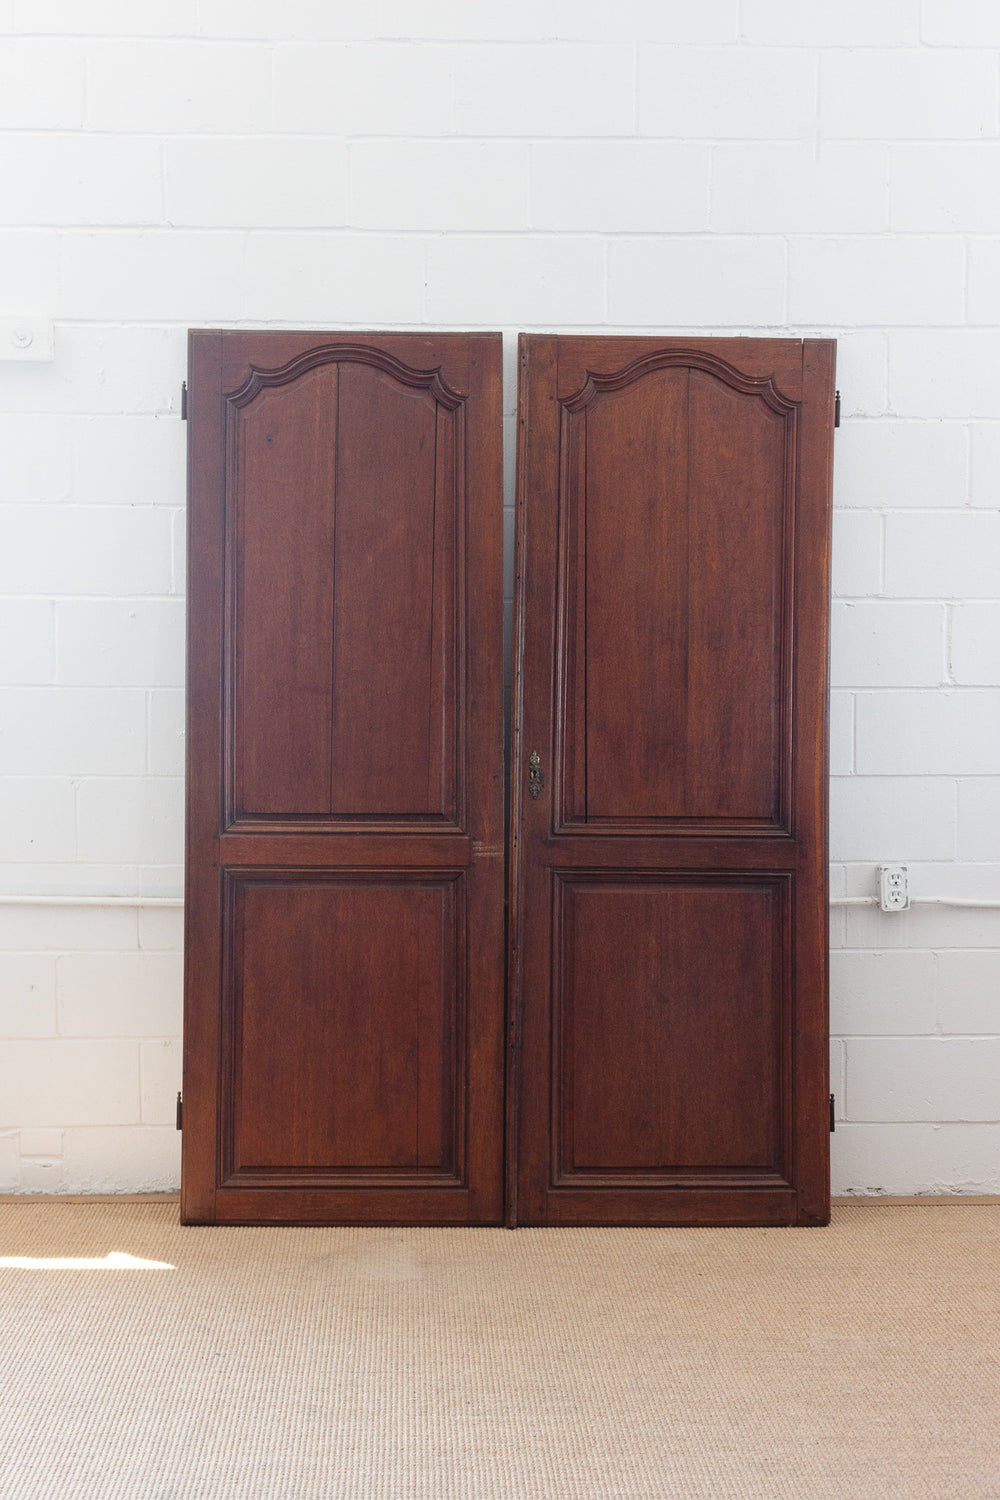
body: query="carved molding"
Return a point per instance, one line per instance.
(340, 353)
(689, 359)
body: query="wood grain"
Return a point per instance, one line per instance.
(668, 896)
(344, 1010)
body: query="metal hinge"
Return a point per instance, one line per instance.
(833, 1112)
(836, 408)
(184, 402)
(180, 1108)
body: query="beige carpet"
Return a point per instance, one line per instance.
(861, 1360)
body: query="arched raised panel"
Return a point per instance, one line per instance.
(343, 570)
(688, 627)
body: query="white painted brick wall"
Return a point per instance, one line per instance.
(736, 166)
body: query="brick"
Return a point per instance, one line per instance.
(929, 733)
(725, 93)
(162, 880)
(119, 994)
(841, 734)
(166, 733)
(10, 1163)
(133, 460)
(41, 1174)
(319, 19)
(880, 282)
(65, 549)
(984, 295)
(862, 373)
(27, 640)
(161, 929)
(63, 179)
(37, 462)
(157, 275)
(837, 1071)
(439, 185)
(951, 555)
(454, 20)
(884, 464)
(136, 1159)
(41, 1142)
(907, 93)
(69, 877)
(938, 186)
(944, 373)
(121, 643)
(879, 994)
(495, 281)
(98, 369)
(701, 282)
(975, 644)
(918, 1158)
(960, 23)
(888, 644)
(174, 86)
(923, 1078)
(544, 90)
(797, 188)
(138, 820)
(63, 928)
(619, 186)
(160, 1065)
(641, 21)
(984, 464)
(979, 817)
(255, 182)
(36, 819)
(379, 89)
(851, 23)
(968, 993)
(27, 995)
(114, 17)
(41, 84)
(29, 270)
(178, 553)
(60, 1083)
(891, 817)
(326, 279)
(69, 731)
(857, 553)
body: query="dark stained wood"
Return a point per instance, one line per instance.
(668, 944)
(344, 1003)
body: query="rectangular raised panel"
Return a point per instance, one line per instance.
(342, 1026)
(673, 589)
(343, 555)
(669, 1015)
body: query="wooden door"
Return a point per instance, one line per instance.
(669, 889)
(344, 1030)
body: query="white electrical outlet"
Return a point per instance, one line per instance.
(893, 888)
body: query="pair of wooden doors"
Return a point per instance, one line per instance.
(353, 1050)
